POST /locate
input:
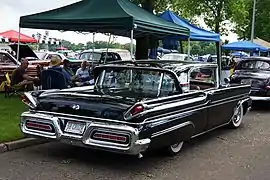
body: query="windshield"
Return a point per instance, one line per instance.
(253, 65)
(177, 57)
(135, 82)
(124, 55)
(90, 56)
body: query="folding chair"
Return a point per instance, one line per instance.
(53, 79)
(12, 90)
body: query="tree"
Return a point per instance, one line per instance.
(262, 19)
(217, 14)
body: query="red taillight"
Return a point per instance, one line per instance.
(38, 126)
(109, 137)
(137, 109)
(267, 87)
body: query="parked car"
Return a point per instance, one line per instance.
(134, 107)
(176, 56)
(8, 64)
(254, 71)
(99, 55)
(48, 55)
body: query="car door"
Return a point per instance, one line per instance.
(180, 116)
(222, 100)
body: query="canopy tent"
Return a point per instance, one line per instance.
(118, 17)
(13, 36)
(244, 46)
(196, 33)
(262, 42)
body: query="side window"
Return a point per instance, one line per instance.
(203, 78)
(168, 86)
(84, 56)
(5, 59)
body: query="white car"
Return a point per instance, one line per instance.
(48, 55)
(176, 57)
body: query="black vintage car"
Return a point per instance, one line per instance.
(134, 107)
(254, 71)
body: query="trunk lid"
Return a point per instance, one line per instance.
(25, 51)
(82, 104)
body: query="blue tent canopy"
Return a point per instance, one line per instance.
(196, 33)
(244, 46)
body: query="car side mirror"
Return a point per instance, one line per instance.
(227, 80)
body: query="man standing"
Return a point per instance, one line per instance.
(20, 78)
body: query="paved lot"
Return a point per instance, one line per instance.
(241, 154)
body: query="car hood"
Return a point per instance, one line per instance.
(25, 51)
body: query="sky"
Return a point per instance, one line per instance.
(11, 10)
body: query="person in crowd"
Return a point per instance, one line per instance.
(84, 75)
(55, 64)
(83, 72)
(66, 67)
(210, 59)
(20, 78)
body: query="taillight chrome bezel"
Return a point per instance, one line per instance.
(39, 126)
(111, 136)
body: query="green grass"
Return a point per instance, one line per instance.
(10, 111)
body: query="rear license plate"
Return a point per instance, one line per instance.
(246, 81)
(75, 127)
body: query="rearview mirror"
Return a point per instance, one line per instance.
(227, 80)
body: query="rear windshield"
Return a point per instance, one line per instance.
(253, 65)
(134, 82)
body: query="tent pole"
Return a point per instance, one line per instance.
(189, 48)
(93, 49)
(131, 42)
(218, 48)
(107, 48)
(19, 40)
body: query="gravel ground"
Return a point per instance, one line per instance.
(224, 154)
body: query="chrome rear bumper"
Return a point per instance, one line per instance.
(133, 147)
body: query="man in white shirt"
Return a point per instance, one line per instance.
(83, 74)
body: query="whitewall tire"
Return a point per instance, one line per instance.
(237, 118)
(175, 148)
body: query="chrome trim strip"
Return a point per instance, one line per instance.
(174, 96)
(175, 104)
(210, 130)
(257, 98)
(188, 110)
(171, 129)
